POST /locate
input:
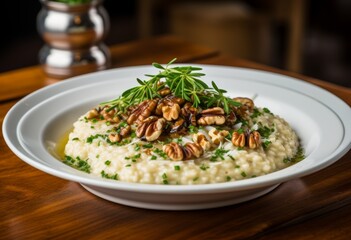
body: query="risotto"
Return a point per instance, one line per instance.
(171, 137)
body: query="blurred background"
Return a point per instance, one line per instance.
(311, 37)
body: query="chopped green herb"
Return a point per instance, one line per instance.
(77, 163)
(265, 131)
(109, 176)
(165, 178)
(266, 110)
(153, 157)
(228, 178)
(204, 167)
(193, 129)
(256, 113)
(75, 139)
(298, 157)
(243, 174)
(107, 162)
(137, 147)
(266, 143)
(177, 168)
(160, 153)
(219, 153)
(149, 145)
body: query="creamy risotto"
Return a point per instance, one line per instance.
(171, 137)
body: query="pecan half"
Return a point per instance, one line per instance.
(154, 130)
(114, 137)
(171, 111)
(212, 116)
(142, 111)
(238, 139)
(125, 131)
(174, 151)
(192, 150)
(217, 136)
(247, 105)
(254, 140)
(189, 113)
(110, 115)
(144, 124)
(164, 91)
(94, 113)
(201, 139)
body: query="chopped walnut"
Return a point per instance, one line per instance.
(238, 139)
(142, 111)
(174, 151)
(201, 139)
(192, 150)
(212, 116)
(218, 136)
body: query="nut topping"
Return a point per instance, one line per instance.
(125, 131)
(238, 139)
(201, 139)
(110, 115)
(254, 140)
(212, 116)
(142, 111)
(171, 112)
(140, 131)
(154, 130)
(94, 113)
(192, 150)
(217, 136)
(189, 112)
(247, 105)
(174, 151)
(114, 137)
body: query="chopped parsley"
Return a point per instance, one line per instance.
(177, 168)
(75, 139)
(243, 174)
(193, 129)
(228, 178)
(107, 162)
(134, 158)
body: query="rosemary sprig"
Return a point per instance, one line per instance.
(183, 82)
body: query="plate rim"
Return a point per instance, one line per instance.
(168, 188)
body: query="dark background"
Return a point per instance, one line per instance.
(325, 45)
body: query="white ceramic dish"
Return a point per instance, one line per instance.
(37, 122)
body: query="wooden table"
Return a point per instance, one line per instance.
(35, 205)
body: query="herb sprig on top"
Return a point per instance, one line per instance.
(183, 82)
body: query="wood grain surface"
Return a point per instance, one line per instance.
(35, 205)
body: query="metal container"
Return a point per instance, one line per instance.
(73, 35)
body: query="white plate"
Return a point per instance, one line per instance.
(38, 121)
